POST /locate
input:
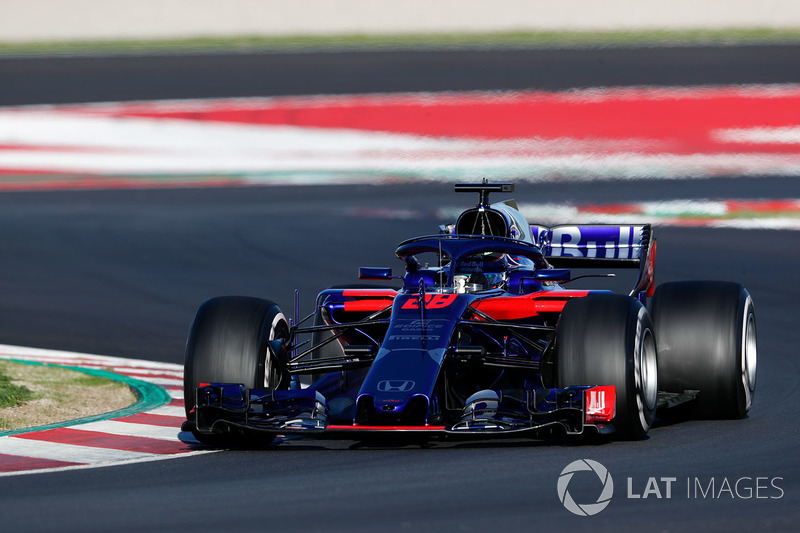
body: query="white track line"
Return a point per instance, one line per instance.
(74, 358)
(168, 411)
(148, 459)
(64, 452)
(128, 429)
(160, 381)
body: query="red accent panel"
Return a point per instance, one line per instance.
(519, 307)
(440, 301)
(367, 305)
(16, 463)
(97, 439)
(651, 271)
(600, 404)
(370, 293)
(432, 301)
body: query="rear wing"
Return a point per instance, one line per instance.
(601, 246)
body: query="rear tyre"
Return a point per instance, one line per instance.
(706, 333)
(608, 339)
(228, 344)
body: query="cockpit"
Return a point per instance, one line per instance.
(489, 247)
(464, 264)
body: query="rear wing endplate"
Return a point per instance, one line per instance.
(601, 246)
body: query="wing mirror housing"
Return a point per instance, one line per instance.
(558, 275)
(375, 273)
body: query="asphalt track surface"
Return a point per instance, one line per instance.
(122, 272)
(35, 80)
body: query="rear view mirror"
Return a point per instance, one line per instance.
(375, 273)
(554, 274)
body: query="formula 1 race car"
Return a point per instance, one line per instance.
(482, 339)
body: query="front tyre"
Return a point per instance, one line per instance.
(706, 333)
(608, 339)
(227, 343)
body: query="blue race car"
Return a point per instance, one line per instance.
(481, 339)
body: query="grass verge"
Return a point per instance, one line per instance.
(42, 394)
(344, 42)
(11, 394)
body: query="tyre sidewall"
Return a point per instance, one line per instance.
(600, 341)
(701, 327)
(228, 343)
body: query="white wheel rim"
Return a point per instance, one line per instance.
(648, 366)
(268, 362)
(750, 351)
(749, 354)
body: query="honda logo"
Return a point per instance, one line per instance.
(395, 385)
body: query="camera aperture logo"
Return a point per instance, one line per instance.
(585, 509)
(582, 477)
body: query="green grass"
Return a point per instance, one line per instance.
(12, 395)
(45, 394)
(522, 39)
(95, 381)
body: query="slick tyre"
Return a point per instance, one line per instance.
(608, 339)
(227, 343)
(706, 333)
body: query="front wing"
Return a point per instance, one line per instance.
(539, 414)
